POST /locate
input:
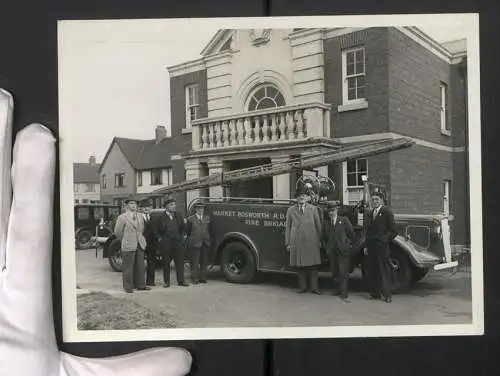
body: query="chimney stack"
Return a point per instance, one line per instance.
(160, 133)
(92, 160)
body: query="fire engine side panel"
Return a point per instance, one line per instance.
(260, 225)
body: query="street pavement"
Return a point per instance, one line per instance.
(440, 298)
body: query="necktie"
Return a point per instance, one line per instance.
(302, 209)
(375, 212)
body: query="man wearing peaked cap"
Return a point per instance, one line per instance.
(198, 232)
(170, 230)
(337, 240)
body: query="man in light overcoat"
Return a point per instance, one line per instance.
(129, 229)
(302, 240)
(337, 239)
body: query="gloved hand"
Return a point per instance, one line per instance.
(27, 340)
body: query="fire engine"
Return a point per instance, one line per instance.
(248, 233)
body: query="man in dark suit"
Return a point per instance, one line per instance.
(151, 242)
(380, 231)
(198, 242)
(337, 239)
(170, 231)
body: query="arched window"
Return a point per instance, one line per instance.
(265, 96)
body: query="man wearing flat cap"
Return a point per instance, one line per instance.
(170, 230)
(337, 239)
(129, 229)
(198, 231)
(380, 231)
(302, 241)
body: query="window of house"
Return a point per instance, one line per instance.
(354, 75)
(445, 126)
(75, 187)
(355, 170)
(90, 188)
(169, 176)
(119, 180)
(446, 197)
(104, 181)
(265, 96)
(139, 179)
(192, 104)
(156, 177)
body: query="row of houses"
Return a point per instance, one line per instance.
(268, 95)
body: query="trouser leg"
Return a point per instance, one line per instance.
(139, 270)
(203, 262)
(167, 259)
(128, 259)
(195, 264)
(373, 272)
(344, 269)
(302, 276)
(150, 269)
(385, 271)
(313, 278)
(179, 262)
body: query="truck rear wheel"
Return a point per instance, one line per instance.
(238, 263)
(115, 255)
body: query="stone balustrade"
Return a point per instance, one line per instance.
(276, 125)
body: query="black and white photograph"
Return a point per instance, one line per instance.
(288, 177)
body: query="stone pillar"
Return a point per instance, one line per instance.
(281, 183)
(193, 171)
(216, 167)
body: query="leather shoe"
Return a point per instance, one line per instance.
(183, 284)
(387, 299)
(166, 285)
(128, 291)
(301, 291)
(317, 292)
(145, 288)
(203, 281)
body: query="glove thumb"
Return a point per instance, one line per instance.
(152, 362)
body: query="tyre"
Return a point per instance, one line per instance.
(402, 271)
(115, 255)
(83, 239)
(418, 274)
(238, 263)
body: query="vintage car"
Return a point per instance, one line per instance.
(87, 219)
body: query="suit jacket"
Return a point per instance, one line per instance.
(130, 232)
(149, 229)
(338, 238)
(170, 229)
(303, 234)
(198, 232)
(382, 228)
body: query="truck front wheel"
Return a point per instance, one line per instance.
(115, 255)
(238, 263)
(83, 239)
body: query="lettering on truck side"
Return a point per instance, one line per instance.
(269, 219)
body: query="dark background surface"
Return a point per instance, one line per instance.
(28, 69)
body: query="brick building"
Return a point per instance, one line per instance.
(267, 95)
(86, 187)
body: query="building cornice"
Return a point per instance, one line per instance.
(187, 67)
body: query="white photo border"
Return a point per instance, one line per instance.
(69, 31)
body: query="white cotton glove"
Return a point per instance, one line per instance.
(27, 339)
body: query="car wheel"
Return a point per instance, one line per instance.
(238, 263)
(115, 255)
(84, 239)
